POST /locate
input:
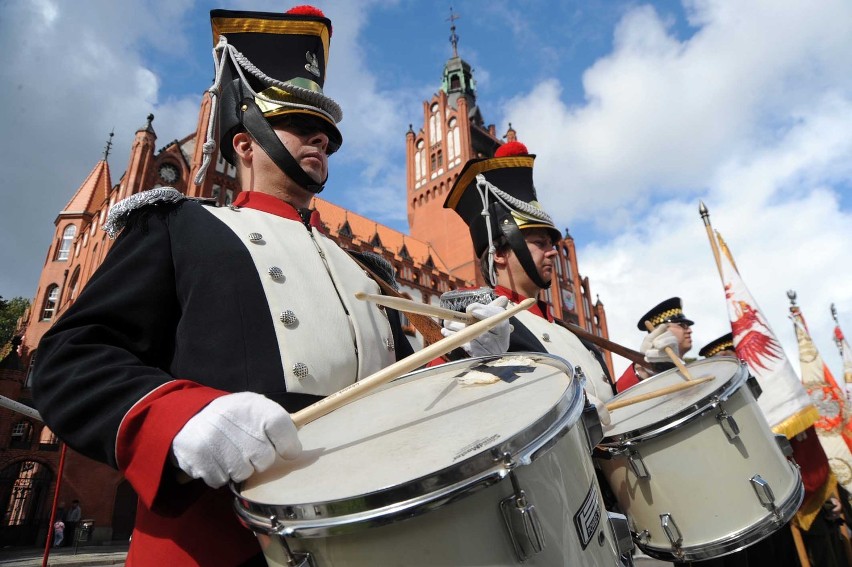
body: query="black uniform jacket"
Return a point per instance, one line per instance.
(194, 302)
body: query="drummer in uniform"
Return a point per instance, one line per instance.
(722, 346)
(823, 540)
(515, 241)
(671, 328)
(204, 326)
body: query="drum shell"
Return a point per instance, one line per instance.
(702, 478)
(470, 530)
(464, 524)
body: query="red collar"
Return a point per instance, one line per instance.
(274, 206)
(540, 308)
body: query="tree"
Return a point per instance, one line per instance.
(10, 312)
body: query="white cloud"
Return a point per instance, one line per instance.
(753, 114)
(73, 79)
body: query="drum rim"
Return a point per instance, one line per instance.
(431, 491)
(687, 414)
(738, 540)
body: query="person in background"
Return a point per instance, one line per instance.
(515, 240)
(671, 328)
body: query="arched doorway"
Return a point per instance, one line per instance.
(24, 495)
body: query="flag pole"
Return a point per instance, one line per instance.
(705, 216)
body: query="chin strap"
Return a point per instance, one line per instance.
(265, 136)
(516, 239)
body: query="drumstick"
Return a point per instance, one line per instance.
(411, 306)
(397, 369)
(673, 356)
(657, 393)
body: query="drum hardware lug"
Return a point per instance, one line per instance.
(581, 376)
(522, 522)
(621, 532)
(672, 532)
(300, 559)
(754, 386)
(637, 465)
(784, 445)
(729, 424)
(592, 426)
(764, 493)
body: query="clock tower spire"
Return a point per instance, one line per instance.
(453, 132)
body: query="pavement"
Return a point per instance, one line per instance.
(116, 555)
(86, 556)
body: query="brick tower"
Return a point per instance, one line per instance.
(453, 132)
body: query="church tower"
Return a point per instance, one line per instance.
(453, 132)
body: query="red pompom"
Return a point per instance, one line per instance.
(306, 10)
(511, 149)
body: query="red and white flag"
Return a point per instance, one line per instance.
(784, 401)
(846, 356)
(833, 427)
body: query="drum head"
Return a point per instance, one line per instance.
(425, 425)
(657, 412)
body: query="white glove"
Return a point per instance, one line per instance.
(654, 345)
(603, 413)
(234, 436)
(495, 341)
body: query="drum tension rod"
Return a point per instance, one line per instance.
(521, 518)
(294, 559)
(764, 494)
(728, 423)
(672, 532)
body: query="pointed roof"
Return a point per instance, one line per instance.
(94, 191)
(367, 230)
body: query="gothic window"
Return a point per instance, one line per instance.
(72, 284)
(27, 483)
(50, 299)
(440, 159)
(93, 261)
(455, 83)
(434, 162)
(418, 166)
(433, 128)
(30, 369)
(67, 239)
(22, 433)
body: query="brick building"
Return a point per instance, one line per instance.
(434, 257)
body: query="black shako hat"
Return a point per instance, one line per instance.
(496, 196)
(277, 60)
(668, 311)
(714, 347)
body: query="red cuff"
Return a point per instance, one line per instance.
(146, 433)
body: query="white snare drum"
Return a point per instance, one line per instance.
(431, 471)
(699, 473)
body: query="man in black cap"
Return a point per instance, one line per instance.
(201, 320)
(670, 328)
(515, 239)
(722, 346)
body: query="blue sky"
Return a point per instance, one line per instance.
(635, 109)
